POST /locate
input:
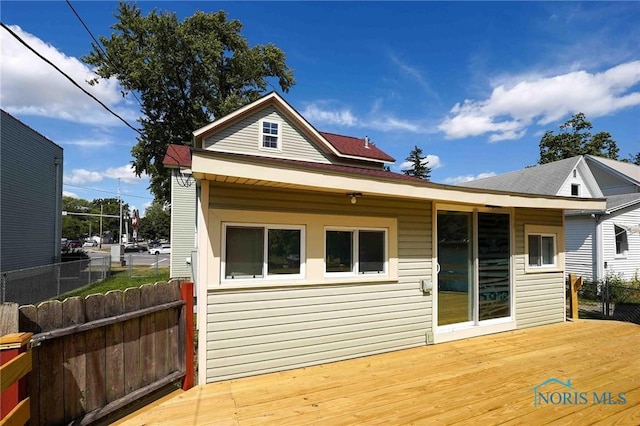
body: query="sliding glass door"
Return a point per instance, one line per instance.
(473, 252)
(455, 257)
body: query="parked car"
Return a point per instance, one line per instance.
(130, 247)
(163, 249)
(90, 243)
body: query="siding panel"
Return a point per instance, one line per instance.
(243, 137)
(31, 197)
(580, 256)
(252, 331)
(183, 225)
(625, 266)
(539, 296)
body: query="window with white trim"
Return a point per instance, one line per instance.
(622, 245)
(542, 250)
(270, 134)
(355, 251)
(254, 252)
(575, 189)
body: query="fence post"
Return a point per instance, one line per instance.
(186, 294)
(15, 363)
(574, 285)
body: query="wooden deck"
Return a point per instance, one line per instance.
(484, 380)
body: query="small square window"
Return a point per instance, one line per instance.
(270, 135)
(542, 250)
(575, 190)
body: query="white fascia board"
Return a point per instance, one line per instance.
(207, 167)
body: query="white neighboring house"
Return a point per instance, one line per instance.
(598, 243)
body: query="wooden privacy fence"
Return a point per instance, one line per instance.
(94, 356)
(15, 364)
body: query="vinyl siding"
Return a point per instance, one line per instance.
(258, 330)
(31, 197)
(580, 255)
(539, 296)
(628, 266)
(583, 191)
(243, 137)
(183, 224)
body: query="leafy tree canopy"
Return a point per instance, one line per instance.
(574, 139)
(156, 223)
(87, 224)
(633, 159)
(186, 74)
(419, 166)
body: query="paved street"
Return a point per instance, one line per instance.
(137, 259)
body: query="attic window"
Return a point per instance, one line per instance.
(270, 135)
(575, 173)
(575, 189)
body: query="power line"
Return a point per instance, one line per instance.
(108, 192)
(98, 44)
(17, 37)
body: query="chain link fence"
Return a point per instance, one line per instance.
(33, 285)
(610, 299)
(142, 265)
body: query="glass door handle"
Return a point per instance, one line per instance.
(437, 268)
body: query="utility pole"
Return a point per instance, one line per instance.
(101, 213)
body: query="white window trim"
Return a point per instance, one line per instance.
(261, 134)
(622, 255)
(266, 276)
(557, 232)
(355, 272)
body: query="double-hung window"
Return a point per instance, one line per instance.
(258, 252)
(355, 251)
(270, 134)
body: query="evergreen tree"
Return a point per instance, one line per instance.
(419, 167)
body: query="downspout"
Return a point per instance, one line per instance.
(58, 212)
(598, 249)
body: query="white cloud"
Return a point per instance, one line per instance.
(124, 173)
(341, 117)
(70, 194)
(433, 161)
(320, 113)
(510, 109)
(31, 86)
(459, 179)
(81, 176)
(87, 143)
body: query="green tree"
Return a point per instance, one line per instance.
(76, 226)
(418, 165)
(574, 139)
(186, 74)
(633, 159)
(156, 223)
(111, 206)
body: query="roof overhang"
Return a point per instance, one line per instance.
(249, 170)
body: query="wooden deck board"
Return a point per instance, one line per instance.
(484, 380)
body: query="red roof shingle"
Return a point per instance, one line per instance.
(349, 145)
(177, 156)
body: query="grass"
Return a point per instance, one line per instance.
(119, 280)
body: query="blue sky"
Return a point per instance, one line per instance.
(473, 84)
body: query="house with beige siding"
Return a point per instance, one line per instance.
(598, 243)
(309, 252)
